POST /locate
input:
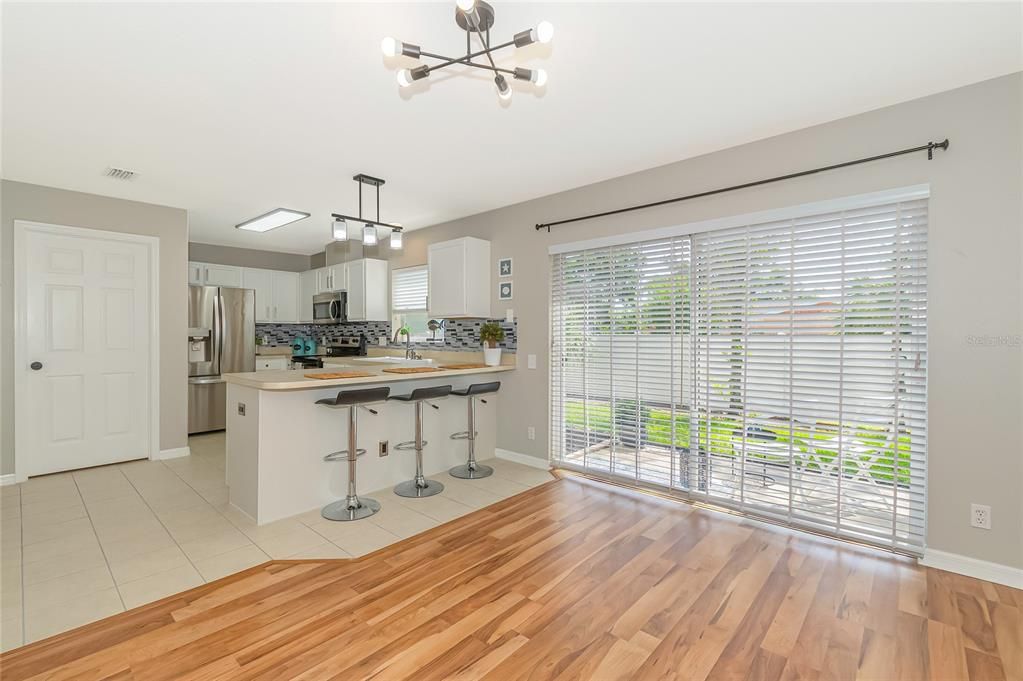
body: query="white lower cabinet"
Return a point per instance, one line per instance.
(271, 363)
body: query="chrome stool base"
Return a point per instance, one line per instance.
(343, 510)
(414, 490)
(471, 471)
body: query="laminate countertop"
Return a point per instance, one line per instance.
(295, 379)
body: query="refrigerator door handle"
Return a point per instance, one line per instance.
(219, 318)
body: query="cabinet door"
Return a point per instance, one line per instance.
(377, 282)
(195, 273)
(285, 297)
(446, 272)
(338, 277)
(357, 291)
(223, 275)
(323, 280)
(260, 281)
(307, 289)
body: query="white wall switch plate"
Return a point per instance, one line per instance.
(509, 315)
(980, 516)
(531, 433)
(530, 361)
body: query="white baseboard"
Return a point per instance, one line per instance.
(9, 479)
(973, 567)
(175, 453)
(524, 459)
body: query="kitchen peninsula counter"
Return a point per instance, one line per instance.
(277, 435)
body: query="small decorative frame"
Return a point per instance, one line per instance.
(504, 290)
(504, 267)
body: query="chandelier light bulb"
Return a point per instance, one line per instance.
(369, 235)
(503, 91)
(466, 5)
(539, 77)
(404, 78)
(545, 32)
(390, 47)
(339, 230)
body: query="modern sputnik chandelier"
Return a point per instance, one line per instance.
(474, 17)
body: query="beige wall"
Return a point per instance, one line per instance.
(976, 449)
(248, 257)
(19, 201)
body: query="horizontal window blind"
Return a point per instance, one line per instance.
(775, 368)
(408, 289)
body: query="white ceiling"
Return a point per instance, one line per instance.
(230, 110)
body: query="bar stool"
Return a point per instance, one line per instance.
(419, 486)
(352, 507)
(472, 470)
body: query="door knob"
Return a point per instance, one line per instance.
(36, 366)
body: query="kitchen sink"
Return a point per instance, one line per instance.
(392, 360)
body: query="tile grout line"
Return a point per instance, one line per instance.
(95, 534)
(229, 522)
(165, 528)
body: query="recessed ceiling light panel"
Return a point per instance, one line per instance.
(278, 217)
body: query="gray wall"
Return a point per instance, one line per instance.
(248, 257)
(57, 206)
(976, 211)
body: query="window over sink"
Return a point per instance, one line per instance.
(409, 291)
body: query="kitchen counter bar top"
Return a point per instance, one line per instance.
(293, 379)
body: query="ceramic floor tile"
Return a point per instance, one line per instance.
(134, 546)
(52, 548)
(145, 564)
(231, 562)
(179, 499)
(496, 485)
(47, 594)
(11, 604)
(215, 544)
(469, 494)
(523, 475)
(42, 507)
(441, 508)
(63, 564)
(356, 538)
(71, 614)
(326, 550)
(401, 520)
(11, 633)
(155, 587)
(284, 544)
(128, 527)
(260, 532)
(68, 528)
(189, 533)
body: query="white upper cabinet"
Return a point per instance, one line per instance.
(206, 274)
(367, 290)
(276, 294)
(307, 289)
(332, 278)
(459, 278)
(260, 281)
(285, 296)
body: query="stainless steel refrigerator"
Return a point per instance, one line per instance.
(221, 340)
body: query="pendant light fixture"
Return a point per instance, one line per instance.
(474, 17)
(339, 226)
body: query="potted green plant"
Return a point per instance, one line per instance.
(491, 334)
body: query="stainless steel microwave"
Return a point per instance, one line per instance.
(330, 307)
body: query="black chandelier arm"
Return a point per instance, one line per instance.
(462, 61)
(339, 216)
(448, 61)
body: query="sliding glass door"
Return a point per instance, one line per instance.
(776, 368)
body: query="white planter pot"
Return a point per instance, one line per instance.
(492, 356)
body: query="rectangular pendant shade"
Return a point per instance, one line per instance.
(396, 243)
(339, 230)
(369, 235)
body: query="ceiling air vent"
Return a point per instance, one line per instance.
(119, 173)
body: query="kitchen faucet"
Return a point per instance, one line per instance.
(409, 352)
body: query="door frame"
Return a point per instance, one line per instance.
(152, 243)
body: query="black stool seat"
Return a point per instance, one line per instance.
(478, 389)
(349, 398)
(432, 393)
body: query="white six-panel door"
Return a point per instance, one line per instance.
(84, 397)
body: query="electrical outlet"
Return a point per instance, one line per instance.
(383, 448)
(530, 361)
(241, 409)
(531, 433)
(980, 516)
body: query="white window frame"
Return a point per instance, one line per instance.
(397, 313)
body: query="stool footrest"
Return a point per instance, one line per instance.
(342, 455)
(464, 435)
(408, 446)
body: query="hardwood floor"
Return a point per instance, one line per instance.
(572, 580)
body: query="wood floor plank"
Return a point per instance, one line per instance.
(570, 580)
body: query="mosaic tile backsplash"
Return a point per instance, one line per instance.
(460, 334)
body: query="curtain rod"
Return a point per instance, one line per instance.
(929, 148)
